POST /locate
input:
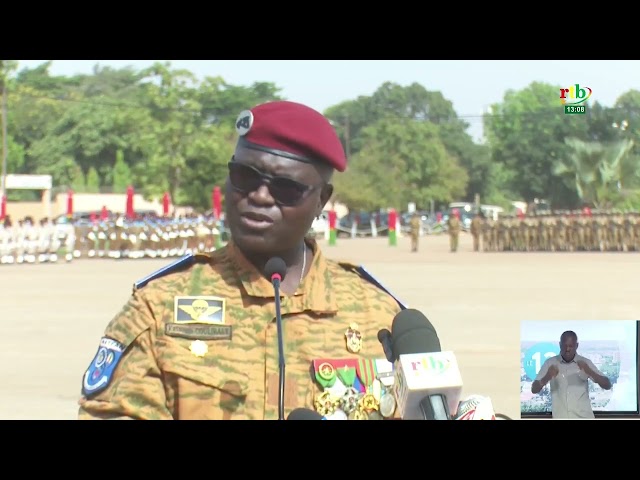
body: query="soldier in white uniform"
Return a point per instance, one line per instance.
(45, 235)
(568, 374)
(30, 240)
(7, 244)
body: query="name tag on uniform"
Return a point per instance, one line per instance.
(198, 332)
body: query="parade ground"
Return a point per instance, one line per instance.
(53, 315)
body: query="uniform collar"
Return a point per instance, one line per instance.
(315, 293)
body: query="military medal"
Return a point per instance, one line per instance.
(369, 403)
(387, 404)
(325, 404)
(376, 389)
(347, 375)
(354, 338)
(198, 348)
(349, 400)
(385, 373)
(366, 370)
(326, 375)
(358, 414)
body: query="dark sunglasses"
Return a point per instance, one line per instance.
(283, 190)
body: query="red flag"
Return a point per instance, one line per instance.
(166, 203)
(216, 202)
(393, 217)
(70, 203)
(333, 218)
(3, 207)
(129, 210)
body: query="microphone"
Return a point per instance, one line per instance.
(275, 270)
(428, 384)
(384, 337)
(476, 407)
(304, 414)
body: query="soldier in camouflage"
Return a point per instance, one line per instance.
(476, 230)
(414, 231)
(453, 228)
(198, 340)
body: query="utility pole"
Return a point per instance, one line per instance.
(3, 187)
(347, 136)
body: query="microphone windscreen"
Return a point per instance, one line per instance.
(275, 265)
(411, 332)
(383, 335)
(304, 414)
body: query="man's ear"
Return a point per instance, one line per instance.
(325, 196)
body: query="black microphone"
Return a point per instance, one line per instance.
(428, 381)
(412, 332)
(275, 270)
(384, 337)
(304, 414)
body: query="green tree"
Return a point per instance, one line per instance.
(597, 171)
(403, 161)
(77, 181)
(415, 102)
(93, 181)
(526, 133)
(121, 174)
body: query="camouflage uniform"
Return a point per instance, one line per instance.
(160, 375)
(453, 225)
(414, 225)
(476, 230)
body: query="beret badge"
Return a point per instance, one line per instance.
(244, 122)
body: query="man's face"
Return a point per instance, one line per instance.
(259, 224)
(568, 347)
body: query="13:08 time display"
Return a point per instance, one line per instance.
(574, 109)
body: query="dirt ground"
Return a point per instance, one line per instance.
(53, 315)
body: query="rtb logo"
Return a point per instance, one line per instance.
(430, 364)
(574, 95)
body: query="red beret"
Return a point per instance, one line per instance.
(291, 130)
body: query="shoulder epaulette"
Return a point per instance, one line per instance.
(180, 264)
(360, 270)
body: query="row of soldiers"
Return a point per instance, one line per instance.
(119, 238)
(563, 231)
(28, 241)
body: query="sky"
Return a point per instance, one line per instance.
(471, 85)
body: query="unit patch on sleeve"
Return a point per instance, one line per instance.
(100, 372)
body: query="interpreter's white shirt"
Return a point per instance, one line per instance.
(570, 388)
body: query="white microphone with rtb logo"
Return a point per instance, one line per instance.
(428, 386)
(427, 381)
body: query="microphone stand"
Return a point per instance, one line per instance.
(275, 279)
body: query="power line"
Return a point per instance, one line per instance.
(104, 104)
(535, 113)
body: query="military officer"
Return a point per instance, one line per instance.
(198, 340)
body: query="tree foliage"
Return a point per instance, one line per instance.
(162, 130)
